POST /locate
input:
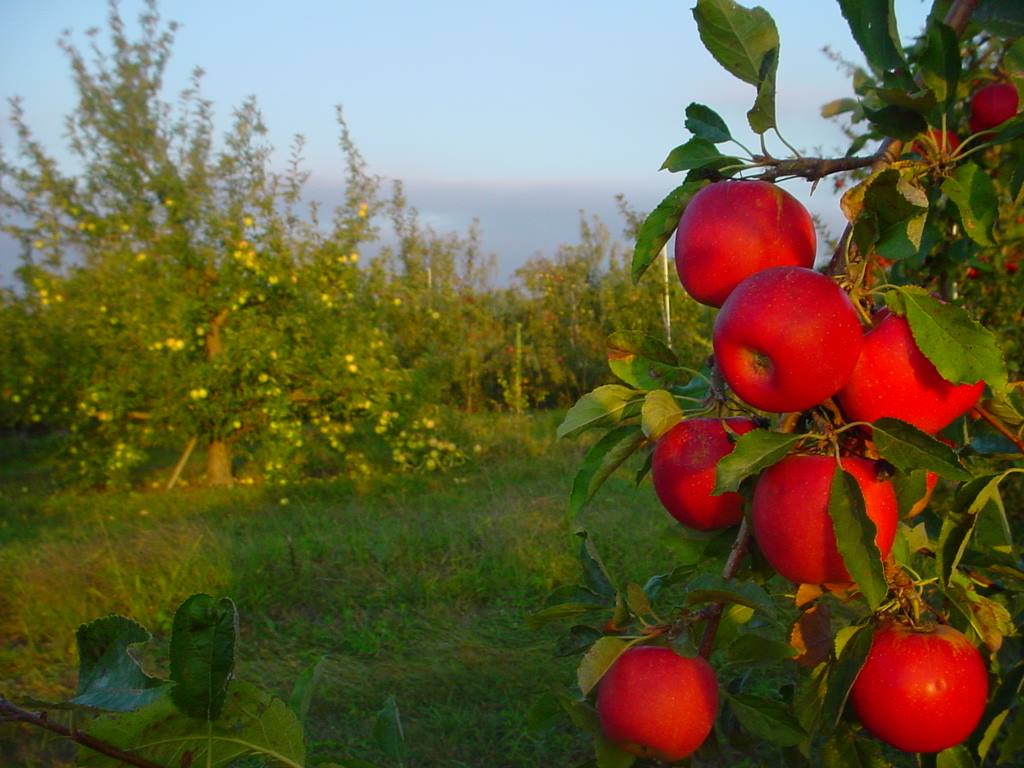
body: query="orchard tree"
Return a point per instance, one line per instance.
(848, 589)
(173, 290)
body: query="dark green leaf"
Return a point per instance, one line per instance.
(902, 240)
(603, 458)
(202, 653)
(643, 361)
(990, 619)
(921, 102)
(1004, 18)
(745, 42)
(594, 572)
(1005, 695)
(636, 600)
(810, 696)
(955, 757)
(659, 226)
(712, 588)
(558, 613)
(843, 673)
(962, 351)
(940, 62)
(579, 639)
(847, 749)
(599, 660)
(388, 733)
(660, 413)
(766, 719)
(604, 407)
(305, 685)
(910, 487)
(750, 648)
(974, 195)
(855, 537)
(754, 451)
(252, 723)
(108, 676)
(873, 25)
(705, 123)
(908, 448)
(899, 122)
(696, 153)
(610, 756)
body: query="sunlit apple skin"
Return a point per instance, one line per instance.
(792, 526)
(993, 105)
(786, 339)
(921, 691)
(658, 704)
(893, 378)
(683, 472)
(733, 229)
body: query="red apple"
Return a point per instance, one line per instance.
(921, 690)
(893, 378)
(946, 143)
(733, 229)
(791, 521)
(993, 105)
(683, 472)
(786, 339)
(658, 704)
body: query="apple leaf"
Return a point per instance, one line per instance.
(302, 691)
(202, 652)
(908, 448)
(766, 719)
(848, 749)
(754, 451)
(659, 226)
(705, 123)
(955, 757)
(605, 406)
(603, 458)
(388, 733)
(962, 351)
(840, 106)
(855, 537)
(745, 42)
(109, 677)
(643, 361)
(712, 588)
(594, 572)
(1003, 18)
(843, 672)
(902, 240)
(899, 122)
(753, 649)
(873, 25)
(974, 195)
(940, 62)
(990, 620)
(660, 413)
(608, 755)
(598, 660)
(694, 154)
(1005, 696)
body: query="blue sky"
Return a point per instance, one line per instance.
(520, 114)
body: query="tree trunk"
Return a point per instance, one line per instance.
(218, 463)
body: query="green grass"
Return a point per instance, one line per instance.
(416, 587)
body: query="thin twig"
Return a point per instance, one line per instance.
(10, 711)
(1000, 427)
(732, 564)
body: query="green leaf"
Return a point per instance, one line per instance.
(873, 25)
(745, 42)
(660, 413)
(703, 122)
(603, 458)
(990, 620)
(712, 588)
(940, 62)
(839, 107)
(109, 677)
(637, 600)
(846, 749)
(766, 719)
(855, 537)
(388, 733)
(610, 756)
(908, 448)
(594, 572)
(752, 649)
(251, 723)
(842, 674)
(302, 692)
(754, 451)
(974, 195)
(1003, 18)
(557, 613)
(902, 240)
(962, 351)
(643, 361)
(899, 122)
(605, 406)
(202, 653)
(910, 488)
(659, 226)
(955, 757)
(599, 660)
(696, 153)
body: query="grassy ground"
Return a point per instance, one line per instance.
(415, 587)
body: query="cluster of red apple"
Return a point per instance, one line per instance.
(991, 106)
(786, 339)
